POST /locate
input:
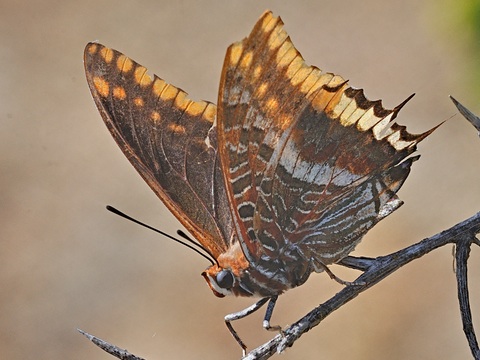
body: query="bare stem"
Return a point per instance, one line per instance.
(462, 252)
(378, 269)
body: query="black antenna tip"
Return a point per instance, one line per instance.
(182, 233)
(114, 210)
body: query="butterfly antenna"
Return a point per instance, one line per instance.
(186, 237)
(119, 213)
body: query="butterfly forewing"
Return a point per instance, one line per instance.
(256, 105)
(170, 140)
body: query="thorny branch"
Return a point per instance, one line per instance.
(462, 235)
(109, 348)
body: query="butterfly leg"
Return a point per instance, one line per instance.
(336, 278)
(240, 315)
(268, 316)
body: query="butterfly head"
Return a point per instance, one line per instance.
(230, 274)
(221, 281)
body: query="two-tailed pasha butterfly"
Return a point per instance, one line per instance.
(282, 178)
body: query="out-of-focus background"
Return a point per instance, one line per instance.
(66, 263)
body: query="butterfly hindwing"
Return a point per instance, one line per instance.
(310, 163)
(170, 140)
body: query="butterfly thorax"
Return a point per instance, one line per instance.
(235, 275)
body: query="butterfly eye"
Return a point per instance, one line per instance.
(225, 279)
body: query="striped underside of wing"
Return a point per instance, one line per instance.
(169, 139)
(256, 114)
(310, 163)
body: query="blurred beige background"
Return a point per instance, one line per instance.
(65, 262)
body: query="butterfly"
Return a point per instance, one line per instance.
(279, 180)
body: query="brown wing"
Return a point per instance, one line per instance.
(170, 140)
(310, 163)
